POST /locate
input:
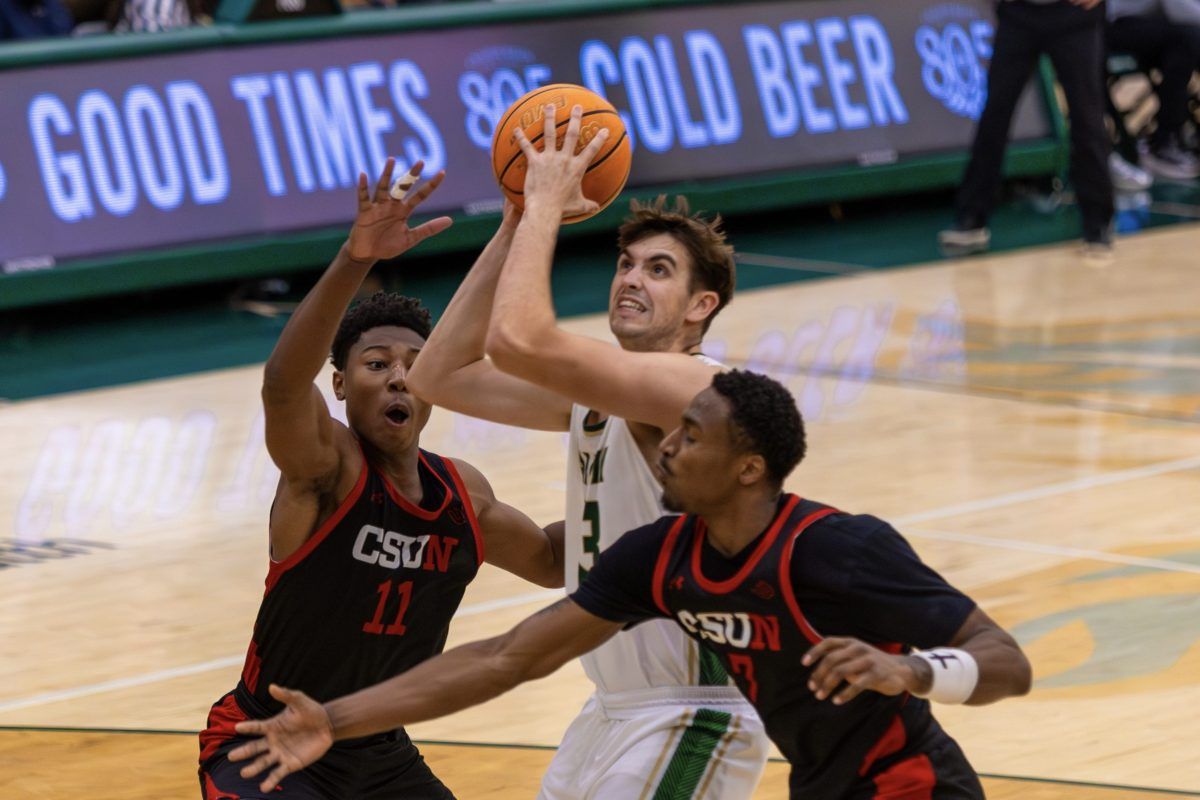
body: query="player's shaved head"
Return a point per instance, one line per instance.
(763, 419)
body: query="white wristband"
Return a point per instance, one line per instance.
(955, 674)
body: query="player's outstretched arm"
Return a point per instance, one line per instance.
(511, 540)
(303, 439)
(457, 679)
(523, 337)
(452, 371)
(1000, 668)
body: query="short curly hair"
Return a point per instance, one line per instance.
(381, 308)
(713, 264)
(764, 419)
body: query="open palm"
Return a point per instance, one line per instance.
(291, 740)
(381, 227)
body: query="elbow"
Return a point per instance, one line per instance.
(1022, 675)
(276, 384)
(552, 578)
(421, 384)
(509, 348)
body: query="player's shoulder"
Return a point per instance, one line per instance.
(474, 481)
(840, 537)
(655, 532)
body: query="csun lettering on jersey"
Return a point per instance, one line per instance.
(742, 630)
(391, 549)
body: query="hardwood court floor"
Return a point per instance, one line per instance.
(1029, 422)
(62, 765)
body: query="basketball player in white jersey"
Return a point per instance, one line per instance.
(665, 721)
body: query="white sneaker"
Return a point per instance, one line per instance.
(1173, 162)
(1127, 177)
(959, 241)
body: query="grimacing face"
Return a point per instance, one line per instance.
(650, 293)
(699, 462)
(379, 407)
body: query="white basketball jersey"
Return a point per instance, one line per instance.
(611, 490)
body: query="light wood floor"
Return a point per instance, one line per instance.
(1028, 421)
(63, 764)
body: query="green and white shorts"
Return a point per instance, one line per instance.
(647, 745)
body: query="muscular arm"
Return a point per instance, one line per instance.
(473, 673)
(1003, 669)
(302, 438)
(457, 679)
(512, 541)
(894, 596)
(452, 371)
(524, 339)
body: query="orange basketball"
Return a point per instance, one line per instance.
(605, 177)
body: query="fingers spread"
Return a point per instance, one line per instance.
(523, 142)
(593, 147)
(431, 228)
(571, 137)
(385, 181)
(364, 199)
(248, 749)
(272, 780)
(260, 764)
(401, 185)
(417, 197)
(549, 127)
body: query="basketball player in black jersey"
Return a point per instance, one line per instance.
(814, 612)
(372, 540)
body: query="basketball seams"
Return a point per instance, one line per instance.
(601, 175)
(518, 154)
(517, 106)
(598, 162)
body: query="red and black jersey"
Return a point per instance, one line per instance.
(368, 596)
(813, 572)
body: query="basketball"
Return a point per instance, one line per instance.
(606, 175)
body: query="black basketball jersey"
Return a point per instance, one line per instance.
(755, 618)
(368, 596)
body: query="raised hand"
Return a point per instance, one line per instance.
(381, 226)
(291, 740)
(554, 175)
(861, 666)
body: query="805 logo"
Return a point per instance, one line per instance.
(954, 43)
(496, 77)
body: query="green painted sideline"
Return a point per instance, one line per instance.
(503, 746)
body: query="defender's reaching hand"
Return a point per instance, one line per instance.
(381, 226)
(291, 740)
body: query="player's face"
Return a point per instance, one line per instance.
(698, 462)
(379, 406)
(650, 294)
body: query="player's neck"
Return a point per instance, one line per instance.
(686, 341)
(737, 523)
(401, 468)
